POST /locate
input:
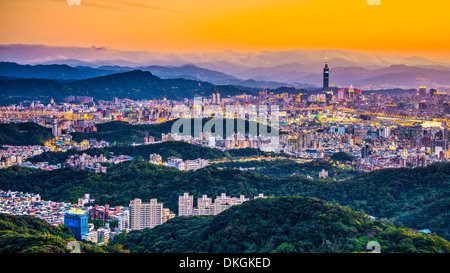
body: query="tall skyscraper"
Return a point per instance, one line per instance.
(422, 90)
(326, 76)
(77, 221)
(432, 92)
(56, 129)
(358, 94)
(341, 94)
(384, 131)
(366, 151)
(351, 93)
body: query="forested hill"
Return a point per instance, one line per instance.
(27, 133)
(29, 234)
(119, 132)
(166, 149)
(420, 197)
(124, 133)
(134, 85)
(280, 225)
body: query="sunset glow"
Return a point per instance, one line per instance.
(401, 27)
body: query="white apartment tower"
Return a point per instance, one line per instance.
(203, 206)
(124, 220)
(384, 132)
(145, 215)
(56, 129)
(185, 204)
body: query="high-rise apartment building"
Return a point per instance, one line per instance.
(341, 94)
(384, 132)
(203, 206)
(145, 215)
(56, 129)
(77, 221)
(123, 220)
(185, 204)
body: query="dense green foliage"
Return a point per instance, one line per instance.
(166, 149)
(134, 85)
(280, 225)
(60, 157)
(342, 157)
(28, 234)
(123, 132)
(392, 194)
(284, 167)
(22, 134)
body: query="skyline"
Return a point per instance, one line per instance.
(118, 118)
(412, 29)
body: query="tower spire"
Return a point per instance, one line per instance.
(326, 75)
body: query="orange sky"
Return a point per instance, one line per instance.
(395, 26)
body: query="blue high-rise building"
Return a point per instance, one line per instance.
(77, 221)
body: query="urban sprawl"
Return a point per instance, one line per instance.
(379, 129)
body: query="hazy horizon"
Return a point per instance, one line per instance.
(414, 28)
(40, 53)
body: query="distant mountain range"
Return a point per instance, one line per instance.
(375, 77)
(269, 69)
(43, 72)
(62, 71)
(287, 75)
(135, 85)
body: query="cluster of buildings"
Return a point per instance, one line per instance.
(187, 165)
(148, 214)
(87, 162)
(314, 123)
(206, 206)
(77, 220)
(19, 203)
(236, 141)
(138, 215)
(178, 163)
(64, 142)
(16, 155)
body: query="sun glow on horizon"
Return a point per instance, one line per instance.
(400, 27)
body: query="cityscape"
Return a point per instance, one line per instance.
(241, 128)
(379, 130)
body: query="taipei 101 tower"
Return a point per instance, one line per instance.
(326, 75)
